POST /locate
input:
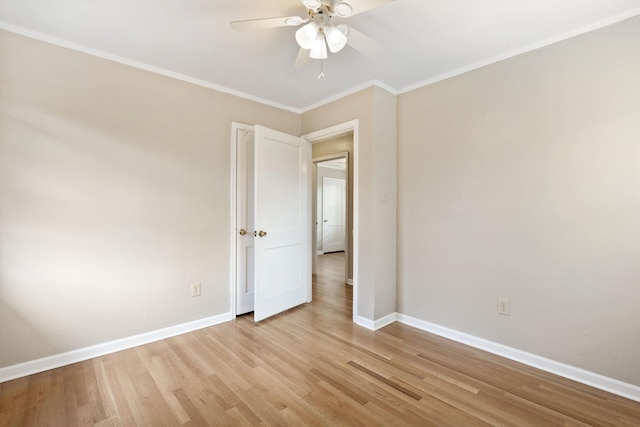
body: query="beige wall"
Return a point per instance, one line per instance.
(384, 207)
(342, 144)
(522, 180)
(114, 198)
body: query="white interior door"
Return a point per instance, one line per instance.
(244, 222)
(282, 248)
(333, 214)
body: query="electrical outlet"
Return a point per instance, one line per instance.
(196, 289)
(504, 306)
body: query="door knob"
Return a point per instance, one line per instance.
(262, 233)
(242, 232)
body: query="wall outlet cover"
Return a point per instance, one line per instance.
(504, 306)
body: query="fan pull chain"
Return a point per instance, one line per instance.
(321, 75)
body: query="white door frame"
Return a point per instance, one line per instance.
(233, 237)
(317, 136)
(244, 149)
(334, 132)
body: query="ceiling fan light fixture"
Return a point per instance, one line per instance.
(343, 9)
(312, 4)
(335, 38)
(319, 48)
(307, 35)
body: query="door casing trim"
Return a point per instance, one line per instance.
(334, 132)
(233, 277)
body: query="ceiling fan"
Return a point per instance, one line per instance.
(320, 30)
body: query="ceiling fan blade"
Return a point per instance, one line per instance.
(259, 24)
(359, 6)
(362, 43)
(302, 59)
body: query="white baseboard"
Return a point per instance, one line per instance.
(592, 379)
(376, 324)
(51, 362)
(611, 385)
(364, 322)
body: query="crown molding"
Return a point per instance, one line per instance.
(510, 54)
(140, 65)
(178, 76)
(351, 91)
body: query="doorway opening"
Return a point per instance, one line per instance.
(317, 139)
(333, 203)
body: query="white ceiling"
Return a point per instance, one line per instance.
(421, 40)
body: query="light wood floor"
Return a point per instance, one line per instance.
(308, 366)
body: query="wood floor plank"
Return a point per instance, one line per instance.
(310, 366)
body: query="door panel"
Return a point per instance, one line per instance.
(333, 214)
(282, 188)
